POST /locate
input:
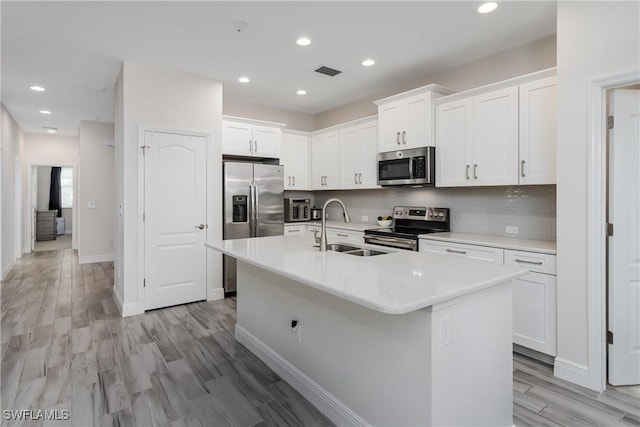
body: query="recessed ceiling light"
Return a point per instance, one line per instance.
(244, 79)
(52, 130)
(303, 41)
(44, 112)
(368, 62)
(301, 92)
(487, 7)
(37, 88)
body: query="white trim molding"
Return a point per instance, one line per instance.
(125, 310)
(327, 403)
(596, 238)
(215, 294)
(572, 372)
(8, 269)
(90, 259)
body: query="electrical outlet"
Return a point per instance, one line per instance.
(510, 229)
(365, 218)
(296, 330)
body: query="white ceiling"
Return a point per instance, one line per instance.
(75, 49)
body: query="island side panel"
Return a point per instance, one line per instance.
(472, 359)
(375, 364)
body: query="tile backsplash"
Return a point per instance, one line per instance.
(482, 210)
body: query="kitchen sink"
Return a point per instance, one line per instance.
(353, 250)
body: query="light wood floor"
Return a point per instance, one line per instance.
(65, 347)
(60, 242)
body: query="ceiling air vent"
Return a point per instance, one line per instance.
(331, 72)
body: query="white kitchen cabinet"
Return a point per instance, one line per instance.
(295, 158)
(538, 111)
(358, 151)
(534, 301)
(485, 253)
(405, 120)
(477, 140)
(243, 138)
(347, 236)
(325, 161)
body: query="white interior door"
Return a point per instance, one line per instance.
(624, 245)
(18, 208)
(175, 219)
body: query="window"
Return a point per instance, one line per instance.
(66, 187)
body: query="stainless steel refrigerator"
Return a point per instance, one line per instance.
(253, 206)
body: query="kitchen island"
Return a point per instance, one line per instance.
(402, 338)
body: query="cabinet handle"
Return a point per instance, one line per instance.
(342, 235)
(457, 252)
(475, 171)
(294, 181)
(255, 146)
(293, 230)
(359, 178)
(524, 261)
(355, 178)
(250, 145)
(467, 173)
(398, 137)
(522, 168)
(289, 180)
(404, 137)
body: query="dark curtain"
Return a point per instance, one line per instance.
(55, 195)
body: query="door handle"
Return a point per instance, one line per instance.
(475, 171)
(201, 226)
(404, 137)
(398, 138)
(522, 168)
(467, 173)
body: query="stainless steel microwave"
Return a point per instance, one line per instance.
(407, 167)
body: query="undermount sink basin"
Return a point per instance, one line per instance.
(340, 247)
(353, 250)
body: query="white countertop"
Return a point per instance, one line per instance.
(394, 283)
(539, 246)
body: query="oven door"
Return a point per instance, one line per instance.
(392, 242)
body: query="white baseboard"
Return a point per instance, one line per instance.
(8, 269)
(215, 294)
(95, 258)
(129, 309)
(571, 371)
(326, 403)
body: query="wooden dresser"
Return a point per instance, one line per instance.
(46, 225)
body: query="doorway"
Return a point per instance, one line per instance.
(51, 228)
(623, 243)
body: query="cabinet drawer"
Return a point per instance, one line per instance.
(295, 230)
(337, 234)
(539, 263)
(485, 253)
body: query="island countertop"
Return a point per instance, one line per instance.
(395, 283)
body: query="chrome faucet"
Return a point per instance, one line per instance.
(323, 232)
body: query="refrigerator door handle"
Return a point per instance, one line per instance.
(256, 218)
(252, 207)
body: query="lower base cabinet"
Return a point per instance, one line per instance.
(534, 295)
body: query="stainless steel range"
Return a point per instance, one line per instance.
(410, 222)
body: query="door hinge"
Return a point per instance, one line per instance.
(609, 122)
(609, 229)
(609, 337)
(144, 283)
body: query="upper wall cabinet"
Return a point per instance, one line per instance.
(501, 134)
(325, 161)
(295, 158)
(358, 151)
(538, 112)
(405, 120)
(243, 137)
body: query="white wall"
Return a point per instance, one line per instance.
(595, 40)
(96, 183)
(44, 187)
(49, 150)
(11, 143)
(154, 97)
